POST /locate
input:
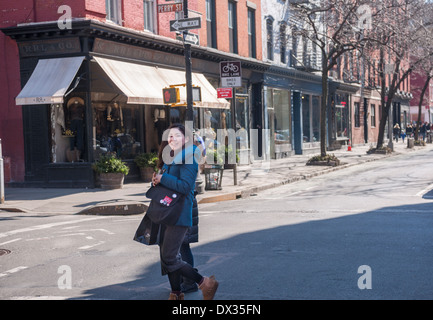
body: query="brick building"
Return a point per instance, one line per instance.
(100, 66)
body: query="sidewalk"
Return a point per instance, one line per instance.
(131, 199)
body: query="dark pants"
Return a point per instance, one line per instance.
(171, 259)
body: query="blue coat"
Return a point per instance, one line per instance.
(180, 175)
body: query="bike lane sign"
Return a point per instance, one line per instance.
(231, 74)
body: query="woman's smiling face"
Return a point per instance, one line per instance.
(176, 139)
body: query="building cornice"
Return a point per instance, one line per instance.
(109, 31)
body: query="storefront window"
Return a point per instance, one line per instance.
(116, 129)
(68, 140)
(306, 114)
(316, 118)
(279, 114)
(342, 115)
(282, 116)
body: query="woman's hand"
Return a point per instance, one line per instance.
(156, 178)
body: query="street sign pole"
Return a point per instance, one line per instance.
(188, 70)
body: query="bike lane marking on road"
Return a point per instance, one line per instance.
(91, 246)
(46, 226)
(11, 271)
(10, 241)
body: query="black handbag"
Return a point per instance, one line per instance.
(165, 206)
(147, 232)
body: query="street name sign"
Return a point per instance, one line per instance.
(185, 24)
(170, 7)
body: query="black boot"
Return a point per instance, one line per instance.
(188, 285)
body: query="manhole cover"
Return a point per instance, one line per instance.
(4, 252)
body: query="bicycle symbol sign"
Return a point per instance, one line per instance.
(230, 69)
(230, 72)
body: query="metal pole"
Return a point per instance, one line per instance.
(188, 70)
(2, 184)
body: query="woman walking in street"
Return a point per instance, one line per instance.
(178, 171)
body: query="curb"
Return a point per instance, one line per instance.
(115, 210)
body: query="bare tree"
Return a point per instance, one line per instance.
(335, 27)
(397, 35)
(424, 50)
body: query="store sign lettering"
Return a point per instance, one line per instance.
(40, 48)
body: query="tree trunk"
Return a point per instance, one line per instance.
(421, 99)
(323, 109)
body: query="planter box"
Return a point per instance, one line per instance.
(146, 174)
(111, 180)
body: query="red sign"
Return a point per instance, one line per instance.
(171, 7)
(226, 93)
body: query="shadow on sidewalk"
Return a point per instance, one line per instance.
(317, 259)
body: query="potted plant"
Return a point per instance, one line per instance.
(111, 170)
(147, 163)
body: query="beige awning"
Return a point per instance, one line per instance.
(49, 81)
(143, 84)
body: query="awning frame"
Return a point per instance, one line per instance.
(50, 81)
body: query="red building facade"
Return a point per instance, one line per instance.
(98, 34)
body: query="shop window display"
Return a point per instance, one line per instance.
(68, 131)
(116, 130)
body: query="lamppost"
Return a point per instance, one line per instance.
(188, 82)
(188, 69)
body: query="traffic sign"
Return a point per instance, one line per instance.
(231, 74)
(226, 93)
(191, 38)
(230, 69)
(170, 95)
(170, 7)
(185, 24)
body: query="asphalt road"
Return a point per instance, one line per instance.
(364, 232)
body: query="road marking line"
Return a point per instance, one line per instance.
(46, 226)
(91, 246)
(14, 270)
(423, 192)
(10, 241)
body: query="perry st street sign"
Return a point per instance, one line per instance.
(170, 7)
(185, 24)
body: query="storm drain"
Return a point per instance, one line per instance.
(4, 252)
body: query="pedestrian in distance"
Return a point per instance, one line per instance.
(178, 170)
(409, 130)
(422, 130)
(403, 134)
(396, 132)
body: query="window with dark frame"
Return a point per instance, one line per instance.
(283, 41)
(148, 8)
(113, 9)
(251, 33)
(233, 32)
(357, 115)
(373, 115)
(211, 24)
(270, 38)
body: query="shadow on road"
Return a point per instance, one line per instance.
(318, 259)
